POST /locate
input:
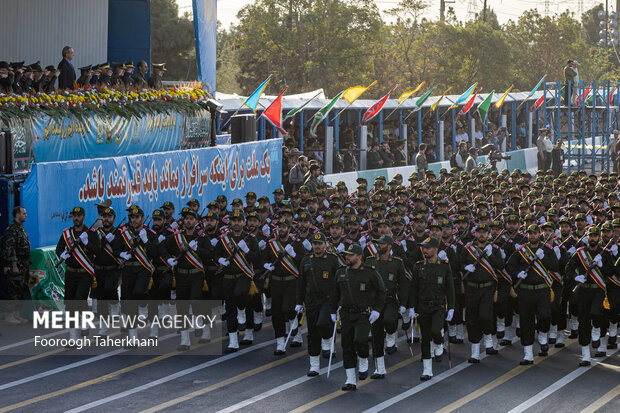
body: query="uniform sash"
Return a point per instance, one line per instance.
(594, 271)
(77, 251)
(138, 251)
(106, 245)
(480, 258)
(238, 257)
(534, 262)
(190, 254)
(285, 259)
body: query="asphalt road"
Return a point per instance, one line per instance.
(253, 378)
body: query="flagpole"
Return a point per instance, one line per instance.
(304, 105)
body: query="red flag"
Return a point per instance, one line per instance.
(376, 108)
(538, 103)
(611, 96)
(583, 97)
(273, 113)
(468, 105)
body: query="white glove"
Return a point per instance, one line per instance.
(401, 309)
(174, 225)
(307, 245)
(540, 253)
(470, 268)
(614, 249)
(542, 220)
(268, 220)
(243, 246)
(125, 255)
(363, 222)
(334, 318)
(412, 313)
(374, 316)
(224, 262)
(143, 236)
(290, 250)
(161, 239)
(488, 250)
(193, 244)
(450, 314)
(580, 279)
(213, 242)
(598, 260)
(454, 247)
(326, 203)
(501, 251)
(340, 247)
(404, 245)
(442, 255)
(269, 267)
(299, 308)
(84, 237)
(571, 250)
(406, 218)
(319, 218)
(266, 230)
(363, 242)
(109, 237)
(262, 244)
(172, 262)
(558, 254)
(522, 275)
(65, 255)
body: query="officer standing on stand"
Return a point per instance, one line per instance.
(359, 296)
(431, 287)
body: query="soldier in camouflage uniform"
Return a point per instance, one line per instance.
(18, 262)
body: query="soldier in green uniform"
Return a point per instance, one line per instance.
(315, 286)
(359, 296)
(139, 81)
(18, 263)
(154, 81)
(392, 272)
(431, 287)
(312, 181)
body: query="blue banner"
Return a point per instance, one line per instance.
(205, 27)
(52, 189)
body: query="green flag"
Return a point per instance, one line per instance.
(295, 111)
(483, 108)
(420, 101)
(322, 113)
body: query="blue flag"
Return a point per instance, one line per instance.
(252, 100)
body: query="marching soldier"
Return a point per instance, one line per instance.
(590, 267)
(431, 287)
(283, 255)
(78, 247)
(392, 272)
(159, 294)
(315, 285)
(530, 264)
(106, 269)
(359, 296)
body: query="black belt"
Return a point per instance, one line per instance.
(232, 276)
(533, 286)
(355, 310)
(590, 285)
(283, 278)
(433, 303)
(78, 270)
(188, 271)
(478, 285)
(106, 267)
(161, 269)
(132, 264)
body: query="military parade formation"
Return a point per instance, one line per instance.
(497, 255)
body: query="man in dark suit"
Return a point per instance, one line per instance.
(67, 77)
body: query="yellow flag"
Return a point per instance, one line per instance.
(439, 100)
(353, 93)
(408, 94)
(500, 102)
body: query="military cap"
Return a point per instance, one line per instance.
(484, 214)
(529, 217)
(188, 211)
(213, 204)
(109, 211)
(252, 215)
(580, 217)
(236, 201)
(565, 220)
(607, 226)
(552, 212)
(304, 216)
(383, 221)
(483, 227)
(237, 214)
(616, 222)
(461, 218)
(135, 210)
(512, 218)
(278, 191)
(221, 198)
(250, 195)
(295, 194)
(303, 188)
(375, 216)
(446, 223)
(594, 230)
(263, 199)
(50, 68)
(319, 237)
(78, 210)
(430, 242)
(354, 249)
(284, 221)
(354, 219)
(548, 224)
(496, 224)
(435, 223)
(419, 217)
(128, 65)
(532, 228)
(193, 201)
(213, 215)
(398, 220)
(86, 68)
(262, 208)
(167, 205)
(336, 222)
(385, 239)
(160, 66)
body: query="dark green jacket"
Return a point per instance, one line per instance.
(392, 272)
(431, 286)
(317, 279)
(361, 289)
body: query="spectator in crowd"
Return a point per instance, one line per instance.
(400, 157)
(312, 182)
(521, 131)
(461, 135)
(373, 159)
(570, 75)
(66, 79)
(613, 149)
(430, 154)
(502, 138)
(471, 162)
(297, 173)
(544, 145)
(420, 161)
(557, 158)
(461, 156)
(386, 155)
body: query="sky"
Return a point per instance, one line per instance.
(505, 9)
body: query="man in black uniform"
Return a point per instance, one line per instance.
(159, 294)
(106, 269)
(315, 285)
(431, 287)
(282, 257)
(392, 272)
(590, 267)
(480, 262)
(78, 247)
(359, 296)
(530, 264)
(239, 256)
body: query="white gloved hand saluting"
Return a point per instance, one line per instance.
(243, 246)
(470, 268)
(290, 250)
(540, 253)
(374, 316)
(65, 255)
(307, 245)
(488, 250)
(143, 236)
(84, 238)
(193, 244)
(580, 278)
(442, 255)
(109, 237)
(223, 262)
(269, 267)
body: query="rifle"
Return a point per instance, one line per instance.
(75, 244)
(232, 254)
(530, 264)
(590, 268)
(135, 244)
